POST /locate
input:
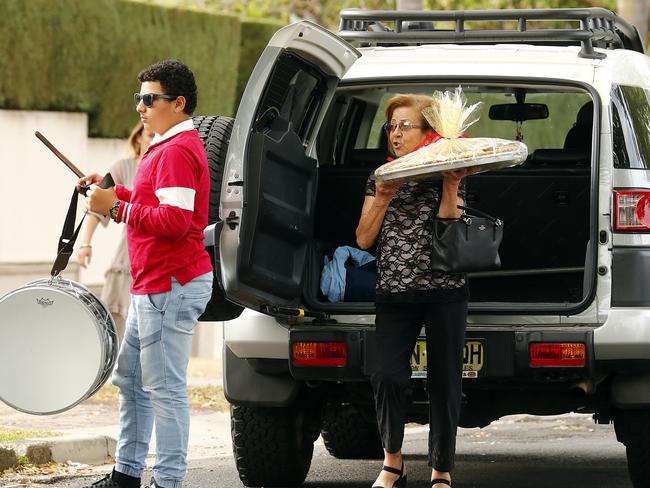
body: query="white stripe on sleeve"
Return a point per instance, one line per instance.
(177, 196)
(127, 213)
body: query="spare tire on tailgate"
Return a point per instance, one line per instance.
(215, 131)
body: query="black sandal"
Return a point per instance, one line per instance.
(399, 482)
(440, 480)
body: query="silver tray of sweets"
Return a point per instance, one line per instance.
(434, 170)
(482, 153)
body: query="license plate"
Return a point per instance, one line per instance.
(473, 359)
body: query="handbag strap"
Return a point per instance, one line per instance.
(468, 212)
(477, 213)
(68, 237)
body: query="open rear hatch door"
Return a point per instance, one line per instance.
(270, 179)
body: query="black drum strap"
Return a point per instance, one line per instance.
(68, 237)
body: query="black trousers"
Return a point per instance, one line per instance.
(398, 326)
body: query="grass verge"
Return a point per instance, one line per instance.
(202, 397)
(10, 434)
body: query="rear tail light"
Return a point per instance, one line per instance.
(319, 353)
(556, 354)
(631, 210)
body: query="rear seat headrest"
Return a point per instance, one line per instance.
(579, 136)
(370, 157)
(577, 144)
(560, 157)
(586, 114)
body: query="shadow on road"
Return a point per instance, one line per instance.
(489, 471)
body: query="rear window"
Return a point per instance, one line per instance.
(631, 127)
(293, 92)
(360, 116)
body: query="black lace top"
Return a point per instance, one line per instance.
(404, 242)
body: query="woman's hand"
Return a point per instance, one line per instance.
(386, 191)
(454, 177)
(450, 199)
(84, 256)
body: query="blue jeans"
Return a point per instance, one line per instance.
(151, 374)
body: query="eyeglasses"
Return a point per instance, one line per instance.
(404, 126)
(149, 98)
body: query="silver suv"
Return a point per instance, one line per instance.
(563, 326)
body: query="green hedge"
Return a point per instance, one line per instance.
(255, 35)
(84, 55)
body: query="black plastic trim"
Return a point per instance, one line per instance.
(630, 277)
(506, 352)
(624, 366)
(631, 391)
(243, 385)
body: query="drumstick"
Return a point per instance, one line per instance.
(58, 154)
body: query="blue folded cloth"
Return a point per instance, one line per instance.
(333, 278)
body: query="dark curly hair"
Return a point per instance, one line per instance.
(175, 78)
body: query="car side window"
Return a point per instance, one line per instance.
(630, 124)
(621, 158)
(375, 137)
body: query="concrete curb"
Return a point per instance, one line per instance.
(92, 449)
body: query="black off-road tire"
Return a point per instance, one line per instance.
(273, 446)
(633, 430)
(215, 132)
(349, 434)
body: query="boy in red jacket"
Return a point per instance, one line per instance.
(165, 214)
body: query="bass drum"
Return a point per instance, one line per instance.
(58, 345)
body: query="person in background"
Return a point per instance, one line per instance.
(115, 292)
(165, 214)
(409, 294)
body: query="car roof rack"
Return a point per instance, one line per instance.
(599, 27)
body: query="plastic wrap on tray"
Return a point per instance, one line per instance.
(450, 117)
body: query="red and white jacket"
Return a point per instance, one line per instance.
(166, 212)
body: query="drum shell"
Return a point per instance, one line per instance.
(58, 346)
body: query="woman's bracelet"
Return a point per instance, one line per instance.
(85, 245)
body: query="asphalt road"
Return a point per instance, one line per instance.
(518, 451)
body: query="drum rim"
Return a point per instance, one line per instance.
(60, 285)
(49, 412)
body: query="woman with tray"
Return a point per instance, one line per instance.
(397, 216)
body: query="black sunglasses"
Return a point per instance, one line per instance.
(149, 98)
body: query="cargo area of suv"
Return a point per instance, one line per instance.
(546, 203)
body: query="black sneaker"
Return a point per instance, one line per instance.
(153, 484)
(116, 480)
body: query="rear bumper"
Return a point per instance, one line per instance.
(624, 337)
(506, 356)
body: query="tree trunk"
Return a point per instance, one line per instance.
(636, 13)
(410, 5)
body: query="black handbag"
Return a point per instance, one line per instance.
(469, 243)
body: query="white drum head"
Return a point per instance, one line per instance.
(51, 350)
